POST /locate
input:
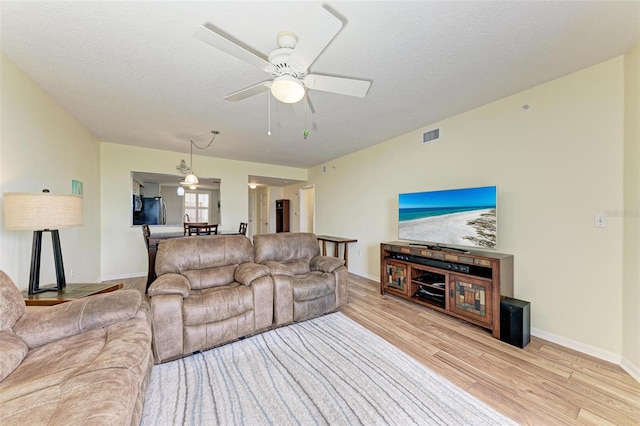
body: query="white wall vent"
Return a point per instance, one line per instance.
(431, 135)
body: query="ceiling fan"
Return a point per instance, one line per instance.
(289, 64)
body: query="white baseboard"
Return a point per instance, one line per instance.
(371, 277)
(633, 370)
(124, 276)
(578, 346)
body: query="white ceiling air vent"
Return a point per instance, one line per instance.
(431, 135)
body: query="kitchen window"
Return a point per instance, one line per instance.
(197, 206)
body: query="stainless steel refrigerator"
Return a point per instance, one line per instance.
(152, 212)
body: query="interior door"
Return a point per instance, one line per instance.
(252, 213)
(307, 209)
(264, 214)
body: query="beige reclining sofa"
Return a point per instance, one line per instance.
(210, 290)
(207, 292)
(306, 284)
(82, 362)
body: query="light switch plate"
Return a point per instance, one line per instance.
(600, 220)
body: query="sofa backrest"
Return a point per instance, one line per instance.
(294, 249)
(12, 305)
(207, 261)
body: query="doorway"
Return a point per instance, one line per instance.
(307, 209)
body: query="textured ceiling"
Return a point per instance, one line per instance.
(132, 72)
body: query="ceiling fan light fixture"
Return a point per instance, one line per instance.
(287, 89)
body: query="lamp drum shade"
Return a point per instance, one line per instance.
(41, 211)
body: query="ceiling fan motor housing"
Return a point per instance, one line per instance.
(279, 57)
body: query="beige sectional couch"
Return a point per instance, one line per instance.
(83, 362)
(211, 290)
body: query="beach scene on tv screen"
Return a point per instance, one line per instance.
(463, 217)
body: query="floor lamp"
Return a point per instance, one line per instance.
(43, 212)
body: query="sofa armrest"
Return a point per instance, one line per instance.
(278, 268)
(246, 273)
(44, 326)
(325, 263)
(170, 284)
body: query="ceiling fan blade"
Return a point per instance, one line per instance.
(249, 91)
(318, 34)
(341, 85)
(222, 41)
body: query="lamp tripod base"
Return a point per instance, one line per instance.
(36, 250)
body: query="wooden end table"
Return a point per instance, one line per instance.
(337, 241)
(70, 292)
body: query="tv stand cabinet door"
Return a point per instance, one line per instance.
(396, 278)
(471, 298)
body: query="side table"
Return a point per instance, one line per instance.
(337, 241)
(70, 292)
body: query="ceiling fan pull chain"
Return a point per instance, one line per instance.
(305, 133)
(269, 110)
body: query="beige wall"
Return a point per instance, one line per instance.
(41, 146)
(116, 163)
(631, 214)
(556, 165)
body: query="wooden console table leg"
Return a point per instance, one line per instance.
(346, 255)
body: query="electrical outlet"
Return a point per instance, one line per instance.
(600, 220)
(72, 273)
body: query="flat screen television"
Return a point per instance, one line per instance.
(464, 217)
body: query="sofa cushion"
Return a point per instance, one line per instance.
(217, 304)
(78, 316)
(297, 266)
(207, 261)
(12, 305)
(284, 247)
(249, 272)
(326, 263)
(313, 285)
(12, 352)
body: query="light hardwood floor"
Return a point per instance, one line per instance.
(542, 384)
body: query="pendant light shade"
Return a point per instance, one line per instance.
(191, 179)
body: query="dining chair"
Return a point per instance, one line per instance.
(192, 224)
(243, 228)
(146, 233)
(203, 229)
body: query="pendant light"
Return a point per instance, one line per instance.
(191, 178)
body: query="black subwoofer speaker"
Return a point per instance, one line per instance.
(515, 322)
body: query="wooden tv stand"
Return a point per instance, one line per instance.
(464, 285)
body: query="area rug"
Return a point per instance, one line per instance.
(325, 371)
